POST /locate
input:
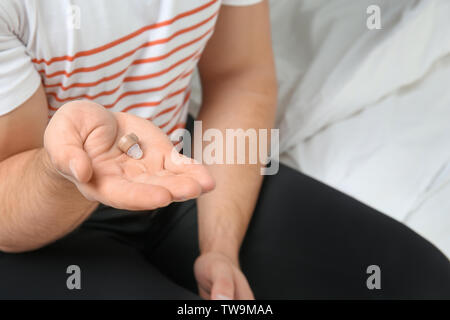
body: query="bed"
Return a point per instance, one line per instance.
(367, 111)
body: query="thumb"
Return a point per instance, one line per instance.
(73, 163)
(79, 164)
(65, 149)
(223, 284)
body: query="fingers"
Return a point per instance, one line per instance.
(243, 290)
(220, 279)
(229, 284)
(182, 165)
(223, 283)
(181, 187)
(123, 194)
(203, 293)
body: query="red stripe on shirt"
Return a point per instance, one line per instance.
(125, 38)
(175, 127)
(112, 91)
(125, 55)
(179, 108)
(118, 74)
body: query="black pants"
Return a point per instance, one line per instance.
(305, 240)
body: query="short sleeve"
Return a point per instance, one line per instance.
(19, 80)
(240, 2)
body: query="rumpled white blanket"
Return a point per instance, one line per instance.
(368, 111)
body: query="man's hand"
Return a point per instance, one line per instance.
(81, 140)
(219, 278)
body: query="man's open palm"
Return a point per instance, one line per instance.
(81, 140)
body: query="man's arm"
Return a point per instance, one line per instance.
(44, 190)
(239, 91)
(37, 204)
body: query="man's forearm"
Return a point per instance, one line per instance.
(225, 213)
(37, 204)
(239, 102)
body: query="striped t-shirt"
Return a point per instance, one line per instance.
(133, 56)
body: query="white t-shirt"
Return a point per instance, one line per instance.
(133, 56)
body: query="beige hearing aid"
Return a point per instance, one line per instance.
(129, 144)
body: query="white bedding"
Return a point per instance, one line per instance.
(368, 111)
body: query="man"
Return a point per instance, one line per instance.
(102, 69)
